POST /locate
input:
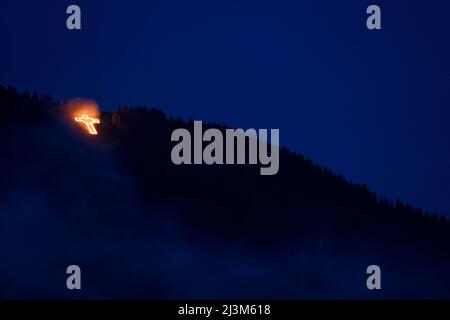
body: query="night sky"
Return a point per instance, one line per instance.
(371, 105)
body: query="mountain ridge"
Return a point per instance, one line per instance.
(338, 227)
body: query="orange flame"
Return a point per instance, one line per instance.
(84, 111)
(89, 122)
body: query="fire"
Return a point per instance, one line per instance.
(89, 122)
(84, 111)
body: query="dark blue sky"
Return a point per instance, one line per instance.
(373, 106)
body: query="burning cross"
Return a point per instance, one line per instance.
(89, 122)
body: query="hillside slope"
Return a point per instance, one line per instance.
(116, 205)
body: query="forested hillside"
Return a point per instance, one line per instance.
(116, 204)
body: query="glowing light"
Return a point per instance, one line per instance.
(89, 122)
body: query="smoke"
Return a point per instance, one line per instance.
(65, 202)
(78, 106)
